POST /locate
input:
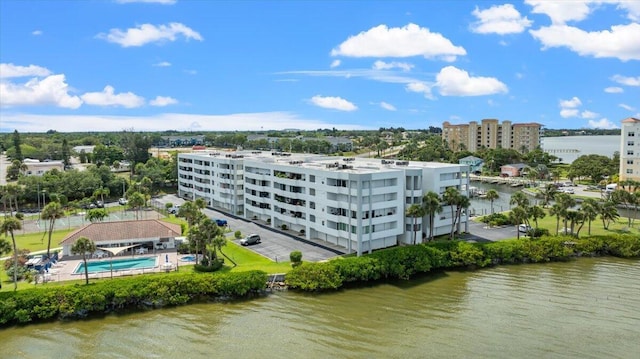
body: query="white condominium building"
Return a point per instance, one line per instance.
(355, 203)
(630, 150)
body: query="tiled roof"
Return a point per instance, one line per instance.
(123, 230)
(630, 120)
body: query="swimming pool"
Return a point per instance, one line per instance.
(189, 258)
(118, 264)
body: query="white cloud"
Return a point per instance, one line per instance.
(620, 42)
(163, 2)
(52, 90)
(108, 97)
(335, 63)
(624, 80)
(602, 123)
(335, 103)
(627, 107)
(561, 11)
(11, 70)
(162, 64)
(168, 121)
(420, 87)
(381, 65)
(162, 101)
(589, 114)
(632, 8)
(148, 33)
(452, 81)
(569, 112)
(573, 103)
(387, 106)
(499, 19)
(407, 41)
(614, 89)
(36, 32)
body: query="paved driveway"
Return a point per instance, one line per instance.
(478, 232)
(274, 245)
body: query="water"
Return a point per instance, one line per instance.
(118, 264)
(587, 308)
(585, 145)
(482, 206)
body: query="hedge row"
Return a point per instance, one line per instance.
(404, 262)
(77, 301)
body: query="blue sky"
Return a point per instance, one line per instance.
(242, 65)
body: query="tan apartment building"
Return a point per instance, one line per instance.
(630, 150)
(490, 133)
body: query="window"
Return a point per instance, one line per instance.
(630, 153)
(629, 143)
(632, 134)
(629, 171)
(629, 162)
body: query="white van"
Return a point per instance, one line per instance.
(611, 187)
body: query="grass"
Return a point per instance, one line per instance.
(248, 260)
(38, 241)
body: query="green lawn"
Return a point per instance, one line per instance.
(38, 241)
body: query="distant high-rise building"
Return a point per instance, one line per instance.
(490, 133)
(630, 150)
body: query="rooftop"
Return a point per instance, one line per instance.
(122, 230)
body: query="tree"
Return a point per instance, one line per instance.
(17, 145)
(623, 197)
(492, 195)
(592, 166)
(458, 202)
(96, 215)
(608, 213)
(590, 208)
(5, 247)
(66, 153)
(84, 245)
(565, 202)
(558, 211)
(548, 193)
(519, 215)
(536, 213)
(135, 148)
(51, 212)
(136, 201)
(519, 199)
(10, 225)
(191, 212)
(102, 191)
(415, 211)
(202, 234)
(432, 205)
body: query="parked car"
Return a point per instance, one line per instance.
(523, 228)
(99, 204)
(569, 191)
(123, 201)
(250, 239)
(174, 210)
(220, 222)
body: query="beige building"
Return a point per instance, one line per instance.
(490, 133)
(630, 150)
(36, 168)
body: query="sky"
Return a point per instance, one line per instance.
(186, 65)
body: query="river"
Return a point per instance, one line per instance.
(568, 148)
(587, 308)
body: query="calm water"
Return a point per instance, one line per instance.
(586, 145)
(587, 308)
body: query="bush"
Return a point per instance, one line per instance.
(314, 277)
(206, 267)
(237, 234)
(284, 227)
(296, 258)
(150, 291)
(496, 219)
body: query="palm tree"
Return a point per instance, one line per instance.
(5, 247)
(623, 197)
(52, 212)
(548, 193)
(589, 208)
(518, 215)
(202, 234)
(10, 225)
(519, 199)
(432, 205)
(608, 213)
(415, 211)
(84, 245)
(136, 201)
(451, 197)
(191, 212)
(102, 191)
(566, 202)
(492, 195)
(558, 211)
(218, 242)
(574, 217)
(536, 213)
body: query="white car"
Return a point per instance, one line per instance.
(569, 191)
(123, 201)
(523, 228)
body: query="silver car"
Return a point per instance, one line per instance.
(250, 239)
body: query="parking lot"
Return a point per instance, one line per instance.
(274, 245)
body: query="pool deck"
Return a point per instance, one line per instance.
(63, 270)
